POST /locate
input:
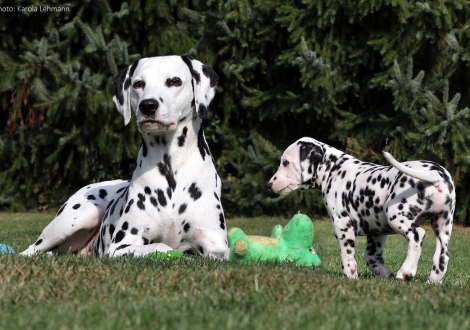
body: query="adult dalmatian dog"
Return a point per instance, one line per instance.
(172, 201)
(366, 199)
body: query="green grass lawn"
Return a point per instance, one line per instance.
(71, 292)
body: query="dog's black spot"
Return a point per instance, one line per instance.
(210, 73)
(216, 197)
(134, 231)
(154, 202)
(91, 197)
(76, 206)
(113, 206)
(186, 227)
(141, 201)
(111, 230)
(201, 249)
(61, 209)
(182, 208)
(165, 169)
(128, 207)
(119, 236)
(194, 191)
(125, 225)
(122, 246)
(121, 189)
(161, 197)
(222, 220)
(182, 137)
(145, 241)
(103, 193)
(38, 242)
(202, 111)
(144, 148)
(117, 86)
(202, 144)
(148, 191)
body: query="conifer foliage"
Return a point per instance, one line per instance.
(362, 76)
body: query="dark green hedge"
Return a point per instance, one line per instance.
(363, 76)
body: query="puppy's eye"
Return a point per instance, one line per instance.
(285, 162)
(139, 84)
(173, 82)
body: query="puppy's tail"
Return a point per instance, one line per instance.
(425, 175)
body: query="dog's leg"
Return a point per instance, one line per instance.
(414, 236)
(374, 258)
(70, 230)
(442, 229)
(347, 242)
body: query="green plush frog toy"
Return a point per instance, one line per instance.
(291, 243)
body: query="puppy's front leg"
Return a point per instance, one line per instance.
(344, 232)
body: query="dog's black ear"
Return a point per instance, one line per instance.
(204, 84)
(310, 154)
(120, 91)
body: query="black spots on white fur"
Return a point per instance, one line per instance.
(141, 201)
(186, 227)
(164, 168)
(39, 241)
(194, 191)
(202, 111)
(202, 144)
(134, 231)
(147, 190)
(122, 246)
(161, 197)
(182, 137)
(61, 209)
(129, 204)
(210, 73)
(222, 221)
(91, 197)
(76, 206)
(160, 140)
(125, 226)
(111, 230)
(154, 202)
(144, 148)
(103, 193)
(119, 236)
(216, 197)
(121, 189)
(182, 208)
(117, 86)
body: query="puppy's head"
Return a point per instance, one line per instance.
(298, 166)
(164, 91)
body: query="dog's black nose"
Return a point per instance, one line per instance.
(270, 184)
(148, 107)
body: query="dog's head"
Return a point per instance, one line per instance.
(164, 91)
(298, 166)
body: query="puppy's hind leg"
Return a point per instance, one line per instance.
(442, 227)
(374, 258)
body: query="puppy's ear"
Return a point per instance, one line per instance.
(310, 155)
(121, 92)
(204, 84)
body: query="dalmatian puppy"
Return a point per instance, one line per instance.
(366, 199)
(173, 199)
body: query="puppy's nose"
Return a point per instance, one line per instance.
(270, 184)
(148, 107)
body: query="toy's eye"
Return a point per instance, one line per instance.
(173, 82)
(139, 84)
(285, 162)
(312, 251)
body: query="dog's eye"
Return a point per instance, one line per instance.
(139, 84)
(285, 162)
(173, 82)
